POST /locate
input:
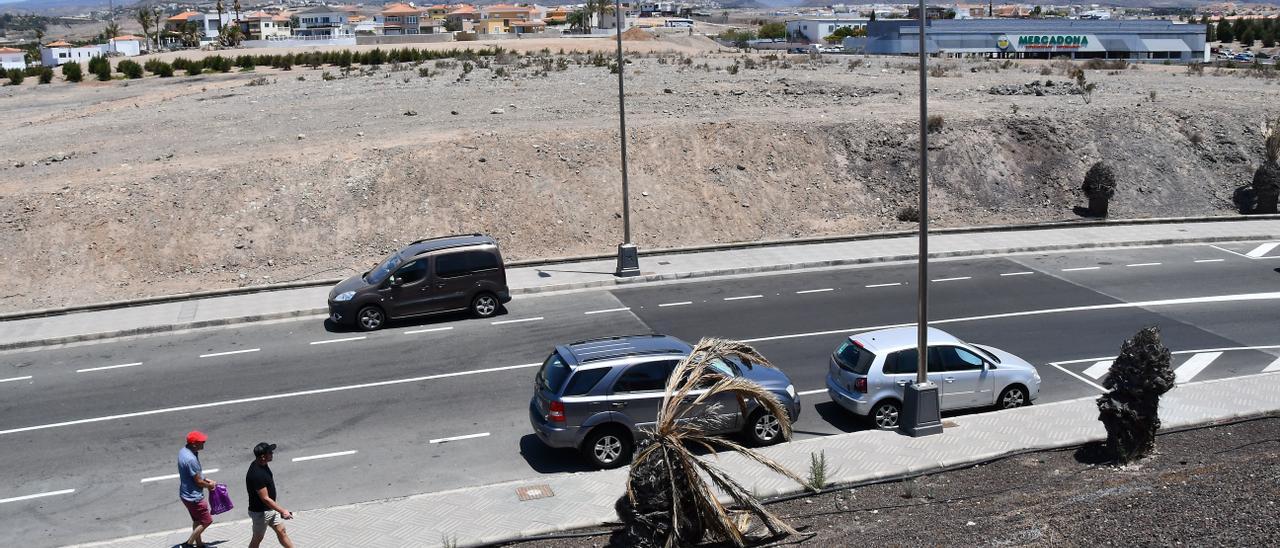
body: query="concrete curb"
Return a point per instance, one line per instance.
(624, 282)
(660, 251)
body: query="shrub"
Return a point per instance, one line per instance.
(818, 471)
(130, 69)
(938, 71)
(72, 72)
(1196, 69)
(181, 64)
(732, 69)
(1100, 181)
(259, 81)
(104, 71)
(327, 77)
(96, 65)
(909, 214)
(162, 69)
(1135, 382)
(16, 76)
(424, 72)
(934, 123)
(1266, 180)
(46, 75)
(194, 69)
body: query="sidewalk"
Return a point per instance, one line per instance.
(285, 303)
(495, 513)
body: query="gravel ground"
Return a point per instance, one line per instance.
(1209, 487)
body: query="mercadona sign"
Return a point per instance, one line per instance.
(1052, 42)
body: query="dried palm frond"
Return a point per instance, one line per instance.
(1271, 132)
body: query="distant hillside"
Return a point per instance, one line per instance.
(55, 7)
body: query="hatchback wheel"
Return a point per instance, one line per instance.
(885, 415)
(763, 428)
(608, 448)
(370, 318)
(1013, 396)
(484, 305)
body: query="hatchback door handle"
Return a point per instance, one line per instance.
(903, 382)
(949, 379)
(618, 404)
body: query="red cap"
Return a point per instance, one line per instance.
(196, 436)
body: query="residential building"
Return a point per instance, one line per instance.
(127, 45)
(439, 12)
(59, 53)
(462, 16)
(814, 31)
(511, 19)
(400, 19)
(11, 58)
(325, 21)
(557, 15)
(365, 26)
(209, 24)
(260, 25)
(488, 26)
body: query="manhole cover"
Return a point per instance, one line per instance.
(535, 492)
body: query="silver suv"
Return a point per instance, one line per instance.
(597, 395)
(868, 374)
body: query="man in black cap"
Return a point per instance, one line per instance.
(263, 509)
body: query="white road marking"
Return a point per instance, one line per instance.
(521, 320)
(681, 303)
(456, 438)
(1275, 366)
(955, 279)
(360, 338)
(622, 309)
(743, 297)
(1143, 264)
(1082, 379)
(428, 330)
(216, 354)
(1230, 251)
(15, 379)
(1077, 269)
(1262, 250)
(1209, 260)
(325, 456)
(175, 476)
(884, 285)
(104, 368)
(808, 291)
(810, 392)
(38, 495)
(1242, 297)
(255, 399)
(1197, 351)
(1194, 366)
(1023, 273)
(1097, 370)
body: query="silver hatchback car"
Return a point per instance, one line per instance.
(869, 372)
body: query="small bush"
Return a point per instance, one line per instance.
(16, 76)
(46, 75)
(72, 72)
(130, 69)
(732, 69)
(934, 123)
(1100, 181)
(909, 214)
(853, 64)
(327, 77)
(1046, 70)
(1135, 382)
(1196, 69)
(938, 71)
(97, 64)
(818, 470)
(259, 81)
(194, 69)
(104, 71)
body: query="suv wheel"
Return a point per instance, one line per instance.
(370, 318)
(885, 415)
(608, 447)
(484, 305)
(1013, 396)
(763, 428)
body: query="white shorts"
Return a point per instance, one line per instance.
(262, 520)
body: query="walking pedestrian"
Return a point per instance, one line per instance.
(191, 487)
(264, 511)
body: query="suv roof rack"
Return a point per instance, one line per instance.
(609, 348)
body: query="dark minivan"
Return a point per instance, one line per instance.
(446, 274)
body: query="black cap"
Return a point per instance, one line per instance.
(263, 448)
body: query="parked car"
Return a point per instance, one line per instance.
(431, 276)
(597, 396)
(869, 372)
(1246, 57)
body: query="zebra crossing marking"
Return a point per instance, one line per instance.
(1262, 250)
(1099, 369)
(1192, 367)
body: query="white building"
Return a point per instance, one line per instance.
(209, 24)
(323, 21)
(11, 58)
(128, 46)
(814, 31)
(59, 53)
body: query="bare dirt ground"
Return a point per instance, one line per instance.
(1209, 487)
(121, 189)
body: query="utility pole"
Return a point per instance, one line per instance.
(628, 254)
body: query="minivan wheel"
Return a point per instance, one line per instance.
(885, 415)
(370, 318)
(608, 448)
(484, 305)
(763, 428)
(1013, 396)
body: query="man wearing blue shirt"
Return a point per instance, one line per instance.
(191, 486)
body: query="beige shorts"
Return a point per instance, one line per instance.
(262, 520)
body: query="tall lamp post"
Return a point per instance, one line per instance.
(921, 413)
(628, 254)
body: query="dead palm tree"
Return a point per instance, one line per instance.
(145, 19)
(668, 503)
(1266, 180)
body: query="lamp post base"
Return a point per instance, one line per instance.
(628, 260)
(921, 412)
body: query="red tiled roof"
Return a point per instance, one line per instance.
(183, 16)
(58, 44)
(10, 50)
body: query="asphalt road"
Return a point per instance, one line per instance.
(383, 409)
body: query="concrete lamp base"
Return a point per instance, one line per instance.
(921, 412)
(628, 260)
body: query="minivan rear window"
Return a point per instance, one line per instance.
(553, 373)
(854, 358)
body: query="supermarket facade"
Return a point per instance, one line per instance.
(1133, 40)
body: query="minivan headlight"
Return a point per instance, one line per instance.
(345, 296)
(791, 391)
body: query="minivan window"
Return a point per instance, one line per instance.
(553, 372)
(465, 262)
(854, 358)
(584, 380)
(380, 272)
(413, 272)
(645, 377)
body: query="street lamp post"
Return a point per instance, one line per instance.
(921, 413)
(628, 254)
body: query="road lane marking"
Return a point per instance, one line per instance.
(1077, 269)
(1275, 366)
(607, 310)
(884, 285)
(1209, 260)
(955, 279)
(1262, 250)
(1194, 366)
(429, 330)
(743, 297)
(681, 303)
(808, 291)
(175, 476)
(1230, 251)
(327, 341)
(1176, 352)
(1082, 379)
(1023, 273)
(325, 456)
(456, 438)
(1143, 264)
(1241, 297)
(811, 392)
(216, 354)
(15, 379)
(1099, 369)
(38, 495)
(104, 368)
(255, 399)
(521, 320)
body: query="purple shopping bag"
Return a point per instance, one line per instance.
(219, 500)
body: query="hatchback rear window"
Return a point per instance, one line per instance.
(553, 373)
(854, 358)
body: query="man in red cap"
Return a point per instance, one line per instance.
(191, 487)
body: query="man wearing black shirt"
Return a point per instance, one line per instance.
(263, 509)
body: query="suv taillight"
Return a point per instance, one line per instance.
(555, 412)
(860, 384)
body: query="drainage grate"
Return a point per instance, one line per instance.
(534, 492)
